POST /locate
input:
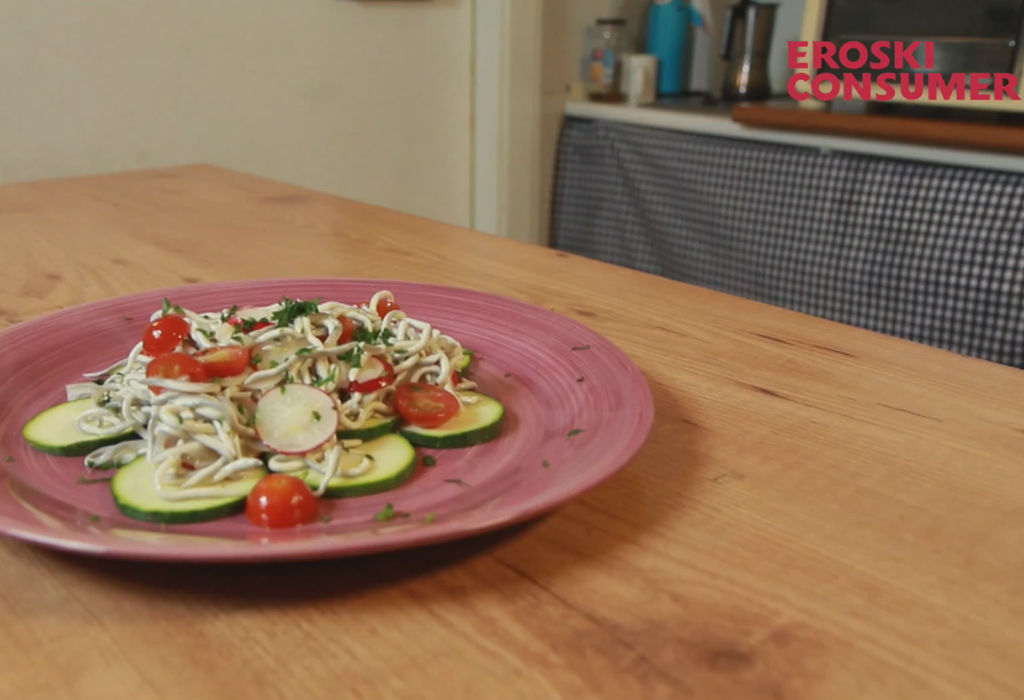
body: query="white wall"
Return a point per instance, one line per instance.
(370, 100)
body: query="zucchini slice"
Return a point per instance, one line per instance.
(373, 428)
(476, 423)
(54, 431)
(463, 363)
(136, 497)
(394, 461)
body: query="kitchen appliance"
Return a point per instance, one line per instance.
(746, 41)
(968, 36)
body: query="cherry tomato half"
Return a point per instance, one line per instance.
(280, 500)
(248, 325)
(348, 328)
(226, 361)
(425, 405)
(374, 381)
(384, 305)
(164, 335)
(175, 365)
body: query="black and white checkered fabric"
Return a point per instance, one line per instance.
(931, 253)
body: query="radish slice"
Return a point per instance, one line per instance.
(294, 419)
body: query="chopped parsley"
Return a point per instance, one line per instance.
(274, 363)
(389, 513)
(430, 517)
(303, 351)
(207, 334)
(225, 316)
(87, 480)
(9, 459)
(546, 464)
(284, 388)
(292, 309)
(256, 359)
(582, 347)
(574, 432)
(127, 318)
(168, 307)
(329, 379)
(316, 415)
(94, 518)
(249, 324)
(353, 357)
(429, 461)
(326, 518)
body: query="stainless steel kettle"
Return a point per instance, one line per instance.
(745, 44)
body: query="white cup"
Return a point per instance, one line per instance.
(639, 78)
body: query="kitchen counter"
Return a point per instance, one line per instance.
(681, 115)
(819, 512)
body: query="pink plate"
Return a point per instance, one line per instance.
(554, 376)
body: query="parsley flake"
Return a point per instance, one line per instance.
(87, 480)
(574, 432)
(429, 461)
(581, 347)
(225, 316)
(303, 351)
(430, 517)
(9, 459)
(326, 518)
(94, 518)
(546, 464)
(316, 415)
(274, 363)
(292, 309)
(389, 513)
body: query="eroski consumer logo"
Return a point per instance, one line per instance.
(885, 70)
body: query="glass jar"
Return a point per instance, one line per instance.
(602, 59)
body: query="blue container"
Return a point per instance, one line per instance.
(668, 34)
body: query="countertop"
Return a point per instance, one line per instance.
(691, 115)
(819, 511)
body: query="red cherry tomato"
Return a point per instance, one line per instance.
(253, 326)
(425, 405)
(384, 305)
(348, 328)
(164, 335)
(281, 500)
(175, 365)
(385, 378)
(226, 361)
(455, 377)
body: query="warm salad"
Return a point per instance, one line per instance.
(268, 408)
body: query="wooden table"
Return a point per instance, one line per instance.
(820, 512)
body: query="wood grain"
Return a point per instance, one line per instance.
(820, 511)
(998, 138)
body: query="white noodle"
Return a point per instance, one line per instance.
(199, 434)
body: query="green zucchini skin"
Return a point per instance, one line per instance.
(476, 424)
(136, 497)
(394, 461)
(371, 430)
(54, 431)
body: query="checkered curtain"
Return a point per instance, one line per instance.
(931, 253)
